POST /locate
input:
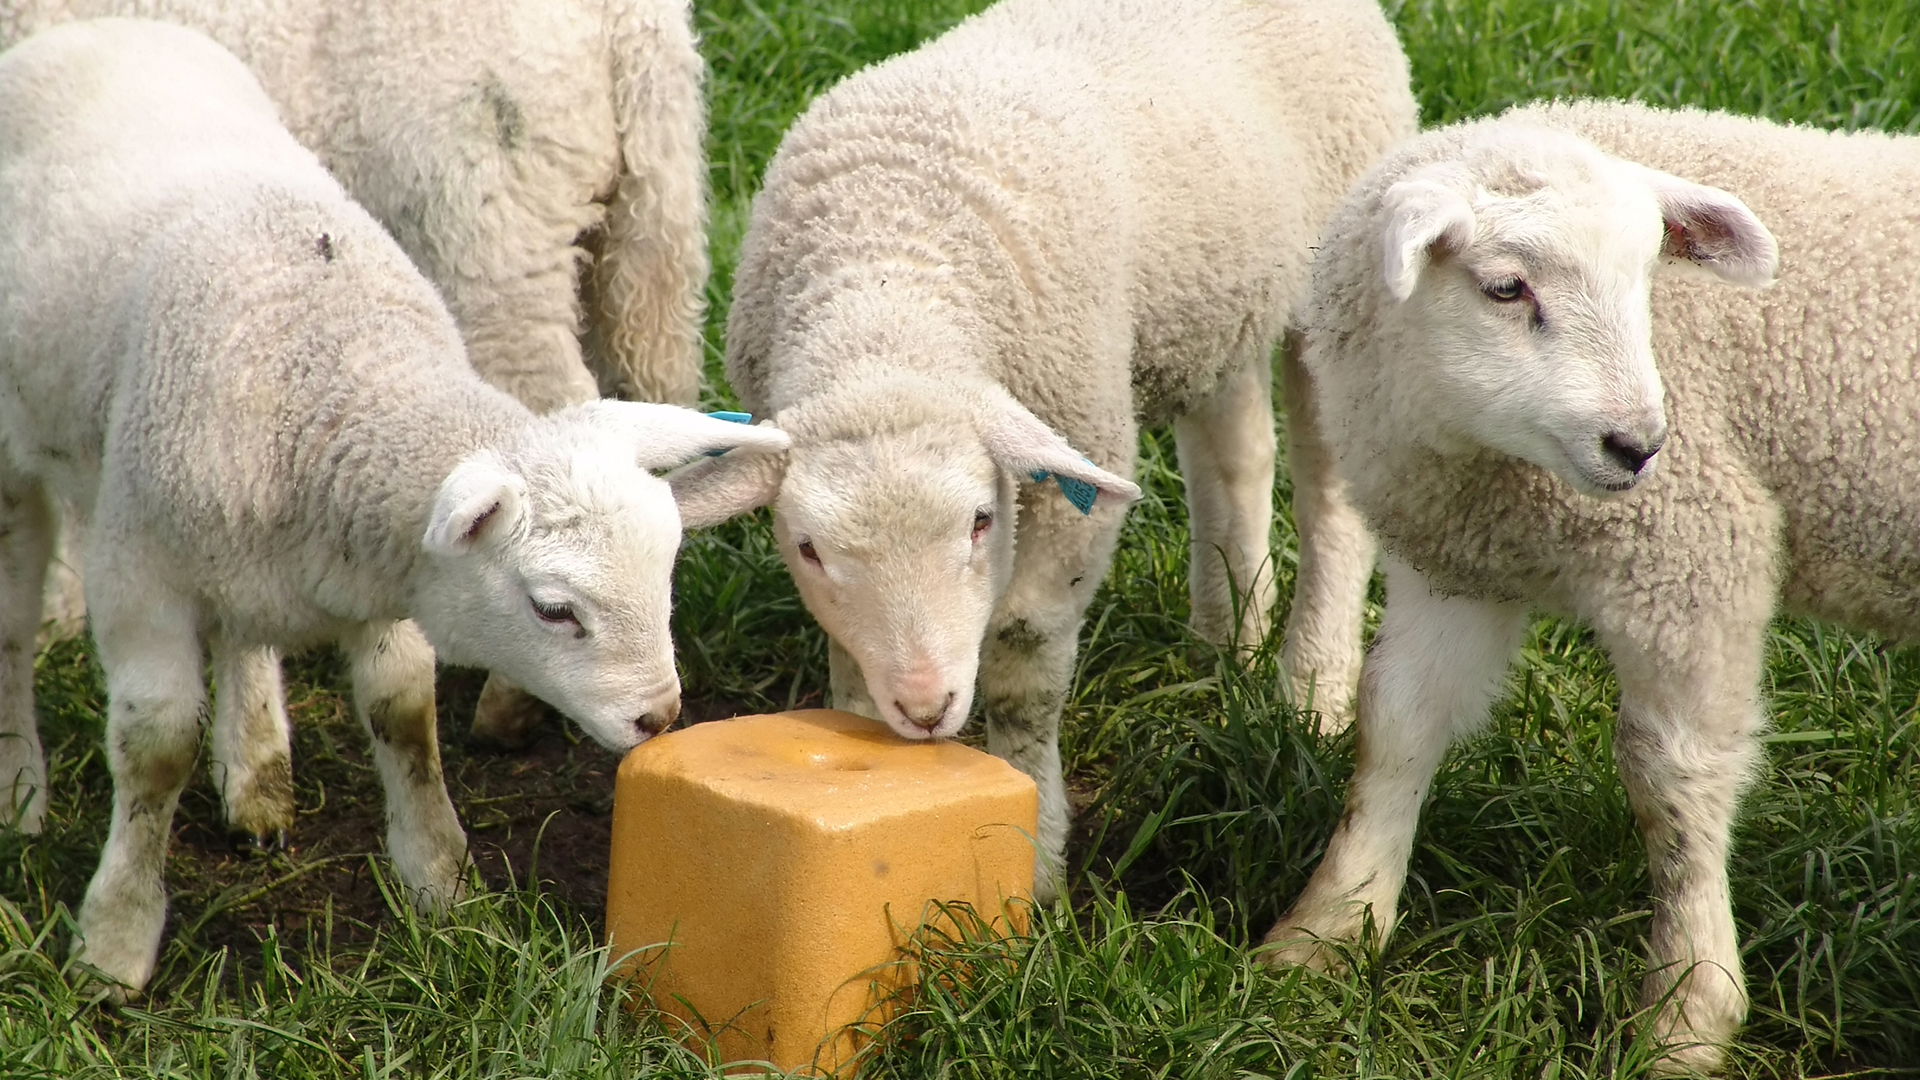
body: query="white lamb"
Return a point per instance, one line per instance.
(972, 264)
(540, 160)
(1500, 371)
(526, 153)
(267, 414)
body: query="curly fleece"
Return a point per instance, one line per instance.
(1786, 482)
(1788, 468)
(1105, 210)
(507, 145)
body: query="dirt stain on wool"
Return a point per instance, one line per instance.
(409, 731)
(1019, 636)
(510, 124)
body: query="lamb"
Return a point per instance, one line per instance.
(542, 162)
(508, 146)
(1527, 421)
(268, 416)
(975, 263)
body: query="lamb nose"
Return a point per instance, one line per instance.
(659, 720)
(929, 720)
(1628, 453)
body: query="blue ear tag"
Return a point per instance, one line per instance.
(731, 418)
(1078, 492)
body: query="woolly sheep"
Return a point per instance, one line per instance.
(525, 154)
(1490, 355)
(540, 161)
(268, 416)
(972, 264)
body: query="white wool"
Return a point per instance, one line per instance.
(1004, 251)
(523, 152)
(266, 415)
(541, 161)
(1495, 446)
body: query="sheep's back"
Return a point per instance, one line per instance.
(1244, 125)
(103, 140)
(217, 348)
(1121, 191)
(378, 88)
(994, 179)
(430, 113)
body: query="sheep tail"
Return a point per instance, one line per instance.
(649, 295)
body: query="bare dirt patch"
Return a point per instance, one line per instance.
(540, 815)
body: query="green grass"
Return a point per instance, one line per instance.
(507, 987)
(1208, 804)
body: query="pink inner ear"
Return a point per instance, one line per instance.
(479, 523)
(1698, 240)
(1677, 245)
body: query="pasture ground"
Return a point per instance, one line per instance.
(1204, 803)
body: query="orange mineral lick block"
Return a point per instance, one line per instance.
(787, 857)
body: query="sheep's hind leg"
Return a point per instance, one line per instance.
(1687, 745)
(393, 697)
(1320, 653)
(1436, 667)
(1226, 448)
(26, 543)
(156, 703)
(506, 716)
(252, 755)
(506, 265)
(63, 603)
(1027, 659)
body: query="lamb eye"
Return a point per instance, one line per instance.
(1505, 291)
(808, 553)
(557, 614)
(982, 521)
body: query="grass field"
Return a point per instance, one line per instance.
(1206, 802)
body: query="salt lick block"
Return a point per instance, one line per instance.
(784, 859)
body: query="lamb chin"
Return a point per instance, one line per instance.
(912, 733)
(1612, 489)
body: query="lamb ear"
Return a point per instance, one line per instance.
(1421, 212)
(479, 500)
(1018, 442)
(665, 436)
(711, 490)
(1710, 230)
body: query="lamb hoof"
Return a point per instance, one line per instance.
(26, 820)
(506, 717)
(96, 985)
(252, 845)
(1330, 717)
(1046, 887)
(113, 972)
(1297, 946)
(444, 884)
(1693, 1024)
(112, 995)
(1331, 722)
(261, 805)
(1698, 1059)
